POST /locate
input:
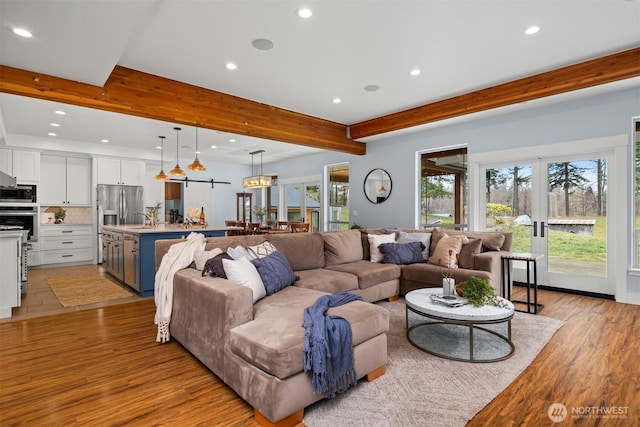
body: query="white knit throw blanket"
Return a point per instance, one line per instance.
(179, 256)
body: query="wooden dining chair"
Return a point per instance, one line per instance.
(299, 227)
(283, 225)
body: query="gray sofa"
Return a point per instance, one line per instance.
(256, 349)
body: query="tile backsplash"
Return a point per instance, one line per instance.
(74, 215)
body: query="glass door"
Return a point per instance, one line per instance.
(556, 207)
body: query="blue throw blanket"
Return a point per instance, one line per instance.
(328, 347)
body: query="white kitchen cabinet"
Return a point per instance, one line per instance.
(125, 172)
(10, 277)
(65, 180)
(66, 244)
(22, 164)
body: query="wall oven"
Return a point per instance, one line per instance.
(18, 194)
(24, 215)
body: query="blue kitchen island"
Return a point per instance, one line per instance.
(129, 250)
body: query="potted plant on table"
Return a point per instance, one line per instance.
(478, 291)
(260, 212)
(151, 215)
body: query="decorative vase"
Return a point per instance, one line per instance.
(448, 286)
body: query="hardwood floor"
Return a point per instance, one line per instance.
(102, 366)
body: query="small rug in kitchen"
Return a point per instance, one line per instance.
(81, 289)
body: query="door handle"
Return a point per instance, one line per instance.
(535, 228)
(542, 229)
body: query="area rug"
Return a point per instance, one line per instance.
(419, 389)
(81, 289)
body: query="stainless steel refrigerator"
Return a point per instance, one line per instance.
(118, 205)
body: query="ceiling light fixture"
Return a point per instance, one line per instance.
(415, 72)
(55, 125)
(177, 171)
(532, 30)
(52, 134)
(104, 140)
(196, 166)
(60, 112)
(22, 32)
(256, 181)
(305, 13)
(231, 66)
(161, 175)
(337, 100)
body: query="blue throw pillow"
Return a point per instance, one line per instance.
(275, 272)
(402, 253)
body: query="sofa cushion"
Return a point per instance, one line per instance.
(375, 240)
(447, 250)
(304, 251)
(402, 253)
(200, 258)
(244, 273)
(368, 274)
(275, 272)
(273, 340)
(214, 267)
(469, 252)
(425, 238)
(325, 280)
(342, 246)
(491, 241)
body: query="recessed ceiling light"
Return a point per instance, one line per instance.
(60, 112)
(214, 146)
(51, 134)
(55, 125)
(158, 147)
(372, 88)
(231, 66)
(104, 140)
(232, 140)
(415, 72)
(305, 13)
(337, 100)
(22, 32)
(532, 30)
(262, 44)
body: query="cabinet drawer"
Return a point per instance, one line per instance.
(56, 257)
(64, 242)
(64, 231)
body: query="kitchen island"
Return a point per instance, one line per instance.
(129, 250)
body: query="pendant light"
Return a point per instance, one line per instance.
(161, 175)
(196, 166)
(382, 188)
(177, 171)
(256, 181)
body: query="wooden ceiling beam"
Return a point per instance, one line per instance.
(607, 69)
(136, 93)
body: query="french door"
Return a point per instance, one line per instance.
(558, 207)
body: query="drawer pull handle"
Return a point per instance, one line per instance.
(67, 243)
(67, 231)
(67, 256)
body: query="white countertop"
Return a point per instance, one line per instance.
(163, 228)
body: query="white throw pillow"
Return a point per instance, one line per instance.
(201, 257)
(239, 252)
(261, 250)
(243, 272)
(376, 240)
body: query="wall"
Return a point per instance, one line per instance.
(534, 124)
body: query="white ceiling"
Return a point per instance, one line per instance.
(460, 46)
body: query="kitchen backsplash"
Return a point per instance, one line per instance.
(77, 215)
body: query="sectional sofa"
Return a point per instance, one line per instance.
(256, 347)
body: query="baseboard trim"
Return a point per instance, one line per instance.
(569, 291)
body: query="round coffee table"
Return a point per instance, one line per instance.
(465, 333)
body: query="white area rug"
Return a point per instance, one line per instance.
(419, 389)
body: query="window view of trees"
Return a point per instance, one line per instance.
(637, 194)
(339, 197)
(443, 189)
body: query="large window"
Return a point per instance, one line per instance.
(443, 189)
(338, 197)
(636, 192)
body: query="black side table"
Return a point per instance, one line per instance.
(531, 260)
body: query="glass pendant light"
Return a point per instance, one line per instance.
(177, 171)
(196, 166)
(161, 175)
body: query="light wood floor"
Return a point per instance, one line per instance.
(102, 366)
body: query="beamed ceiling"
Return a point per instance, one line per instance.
(165, 61)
